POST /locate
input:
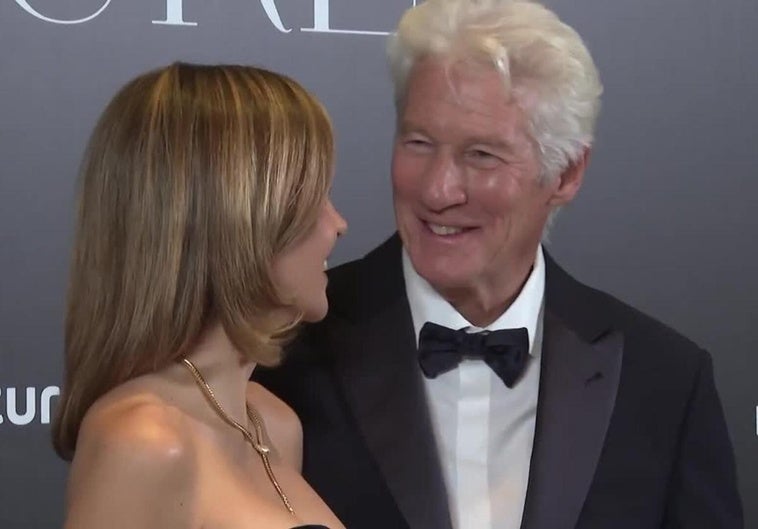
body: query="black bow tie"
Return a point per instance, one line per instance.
(441, 349)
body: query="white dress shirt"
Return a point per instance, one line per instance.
(483, 429)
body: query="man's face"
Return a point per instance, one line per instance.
(469, 205)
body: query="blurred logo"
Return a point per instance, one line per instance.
(24, 406)
(175, 16)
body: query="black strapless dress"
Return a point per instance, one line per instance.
(311, 527)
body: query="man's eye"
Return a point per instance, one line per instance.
(417, 144)
(482, 159)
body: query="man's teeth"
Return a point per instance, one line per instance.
(444, 230)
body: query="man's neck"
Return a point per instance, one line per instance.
(482, 305)
(457, 309)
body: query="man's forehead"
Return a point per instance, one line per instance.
(473, 86)
(471, 98)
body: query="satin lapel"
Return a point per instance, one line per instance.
(384, 390)
(577, 394)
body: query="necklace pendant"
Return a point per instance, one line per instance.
(262, 449)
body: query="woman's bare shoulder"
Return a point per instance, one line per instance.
(139, 422)
(282, 424)
(133, 466)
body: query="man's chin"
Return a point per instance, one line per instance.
(445, 277)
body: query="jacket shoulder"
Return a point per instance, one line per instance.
(361, 286)
(594, 312)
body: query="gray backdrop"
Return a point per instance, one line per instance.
(664, 220)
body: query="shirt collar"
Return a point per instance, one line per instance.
(428, 305)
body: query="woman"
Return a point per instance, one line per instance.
(203, 227)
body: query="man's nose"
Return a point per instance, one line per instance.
(443, 183)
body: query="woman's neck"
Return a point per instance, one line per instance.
(224, 369)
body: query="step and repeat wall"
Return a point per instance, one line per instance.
(666, 219)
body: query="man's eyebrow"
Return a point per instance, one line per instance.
(405, 126)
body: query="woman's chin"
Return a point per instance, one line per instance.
(316, 312)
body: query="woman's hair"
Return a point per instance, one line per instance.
(194, 178)
(543, 62)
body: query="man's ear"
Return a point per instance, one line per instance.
(570, 180)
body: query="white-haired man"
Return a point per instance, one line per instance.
(462, 379)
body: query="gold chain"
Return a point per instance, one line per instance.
(257, 443)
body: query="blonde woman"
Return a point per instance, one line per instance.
(204, 222)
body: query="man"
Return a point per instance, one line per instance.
(463, 379)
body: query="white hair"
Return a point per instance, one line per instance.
(544, 64)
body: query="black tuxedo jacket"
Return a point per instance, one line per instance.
(630, 432)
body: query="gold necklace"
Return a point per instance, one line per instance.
(257, 443)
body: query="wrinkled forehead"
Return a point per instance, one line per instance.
(472, 78)
(461, 99)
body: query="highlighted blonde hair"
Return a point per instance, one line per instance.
(195, 177)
